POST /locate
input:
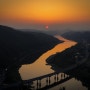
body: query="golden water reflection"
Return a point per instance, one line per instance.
(71, 84)
(39, 67)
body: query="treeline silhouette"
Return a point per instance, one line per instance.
(67, 58)
(78, 36)
(15, 44)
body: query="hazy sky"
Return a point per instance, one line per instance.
(38, 13)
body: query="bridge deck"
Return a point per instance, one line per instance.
(41, 77)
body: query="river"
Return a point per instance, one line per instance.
(40, 67)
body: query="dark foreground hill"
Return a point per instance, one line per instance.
(18, 46)
(78, 36)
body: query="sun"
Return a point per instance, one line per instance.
(46, 26)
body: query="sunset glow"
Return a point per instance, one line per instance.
(47, 27)
(45, 11)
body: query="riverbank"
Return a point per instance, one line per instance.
(74, 61)
(82, 73)
(68, 57)
(40, 67)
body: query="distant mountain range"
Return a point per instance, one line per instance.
(78, 36)
(15, 44)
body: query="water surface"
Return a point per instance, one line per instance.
(40, 67)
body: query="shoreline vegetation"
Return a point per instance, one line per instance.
(65, 62)
(68, 57)
(72, 56)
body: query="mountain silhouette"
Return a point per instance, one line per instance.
(78, 36)
(15, 44)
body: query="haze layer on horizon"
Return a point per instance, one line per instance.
(36, 14)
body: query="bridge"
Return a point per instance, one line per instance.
(49, 81)
(43, 82)
(58, 78)
(37, 83)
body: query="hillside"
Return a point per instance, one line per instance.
(78, 36)
(15, 44)
(75, 55)
(67, 58)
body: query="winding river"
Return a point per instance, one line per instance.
(40, 67)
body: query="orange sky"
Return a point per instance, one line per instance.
(45, 11)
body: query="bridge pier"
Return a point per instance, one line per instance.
(64, 75)
(38, 84)
(61, 76)
(57, 77)
(46, 81)
(49, 80)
